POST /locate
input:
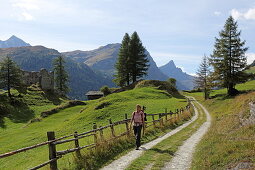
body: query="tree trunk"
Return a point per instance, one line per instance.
(8, 82)
(134, 78)
(128, 79)
(205, 93)
(231, 90)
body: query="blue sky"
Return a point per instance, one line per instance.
(179, 30)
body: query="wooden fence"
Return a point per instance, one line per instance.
(98, 135)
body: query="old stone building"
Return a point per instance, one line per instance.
(44, 78)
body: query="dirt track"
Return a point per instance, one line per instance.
(125, 160)
(183, 157)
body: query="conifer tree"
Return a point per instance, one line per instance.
(60, 74)
(10, 75)
(122, 76)
(138, 59)
(202, 79)
(228, 58)
(172, 81)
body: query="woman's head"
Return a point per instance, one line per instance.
(138, 107)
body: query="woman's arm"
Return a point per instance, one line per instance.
(132, 119)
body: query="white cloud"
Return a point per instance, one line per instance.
(24, 9)
(26, 16)
(26, 4)
(217, 13)
(250, 57)
(248, 15)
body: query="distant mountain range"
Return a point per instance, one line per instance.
(13, 41)
(88, 70)
(184, 80)
(33, 58)
(104, 58)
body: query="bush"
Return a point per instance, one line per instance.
(61, 107)
(105, 90)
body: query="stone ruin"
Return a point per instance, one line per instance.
(44, 78)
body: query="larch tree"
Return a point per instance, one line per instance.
(202, 79)
(122, 76)
(139, 63)
(228, 58)
(10, 75)
(60, 75)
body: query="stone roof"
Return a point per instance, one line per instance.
(91, 93)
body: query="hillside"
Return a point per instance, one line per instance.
(13, 41)
(104, 58)
(184, 80)
(25, 106)
(33, 58)
(73, 119)
(253, 64)
(230, 141)
(251, 70)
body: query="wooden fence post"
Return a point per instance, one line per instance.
(153, 119)
(181, 112)
(166, 113)
(171, 117)
(112, 128)
(52, 151)
(76, 142)
(127, 128)
(101, 133)
(159, 118)
(95, 136)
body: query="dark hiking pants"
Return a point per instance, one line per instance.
(137, 132)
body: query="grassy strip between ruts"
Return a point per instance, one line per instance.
(156, 157)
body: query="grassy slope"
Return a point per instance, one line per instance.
(228, 142)
(69, 120)
(251, 70)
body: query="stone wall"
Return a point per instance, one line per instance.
(44, 78)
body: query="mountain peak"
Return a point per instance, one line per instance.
(171, 64)
(184, 81)
(13, 37)
(13, 41)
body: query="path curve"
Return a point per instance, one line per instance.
(125, 160)
(183, 157)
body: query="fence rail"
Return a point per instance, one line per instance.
(98, 134)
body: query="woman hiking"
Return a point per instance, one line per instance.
(138, 120)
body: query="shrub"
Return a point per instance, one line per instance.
(102, 105)
(105, 90)
(61, 107)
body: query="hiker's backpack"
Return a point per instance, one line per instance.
(145, 114)
(145, 118)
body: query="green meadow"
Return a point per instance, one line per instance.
(20, 134)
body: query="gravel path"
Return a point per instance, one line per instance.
(183, 157)
(125, 160)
